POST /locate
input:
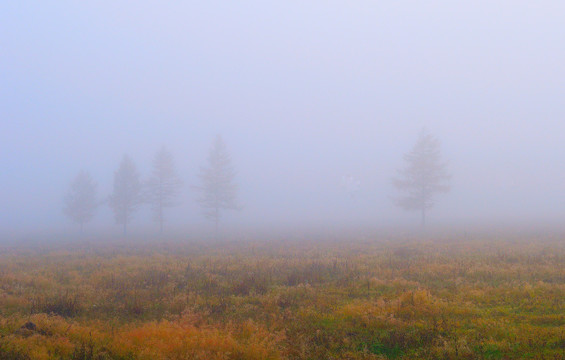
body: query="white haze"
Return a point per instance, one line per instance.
(303, 93)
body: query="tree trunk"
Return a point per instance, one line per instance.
(161, 214)
(423, 217)
(216, 225)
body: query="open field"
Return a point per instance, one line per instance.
(387, 297)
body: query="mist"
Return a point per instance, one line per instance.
(303, 94)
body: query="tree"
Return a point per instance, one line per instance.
(424, 176)
(217, 189)
(163, 187)
(80, 201)
(126, 195)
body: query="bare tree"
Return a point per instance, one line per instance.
(126, 196)
(217, 188)
(163, 187)
(424, 176)
(80, 201)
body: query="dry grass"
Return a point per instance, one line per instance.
(491, 298)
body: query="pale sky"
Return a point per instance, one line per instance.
(303, 94)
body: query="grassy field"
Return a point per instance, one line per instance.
(374, 297)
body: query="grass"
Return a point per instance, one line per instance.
(374, 298)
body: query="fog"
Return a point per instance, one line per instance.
(303, 94)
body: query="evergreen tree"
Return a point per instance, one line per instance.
(217, 189)
(80, 201)
(424, 176)
(126, 196)
(163, 187)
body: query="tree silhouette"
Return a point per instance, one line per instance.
(163, 186)
(424, 176)
(126, 195)
(80, 200)
(217, 189)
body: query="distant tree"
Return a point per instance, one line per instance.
(163, 187)
(126, 195)
(80, 200)
(217, 189)
(424, 176)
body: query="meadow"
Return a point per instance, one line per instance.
(387, 296)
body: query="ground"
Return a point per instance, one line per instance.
(379, 296)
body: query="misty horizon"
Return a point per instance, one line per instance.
(303, 95)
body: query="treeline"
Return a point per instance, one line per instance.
(216, 190)
(423, 176)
